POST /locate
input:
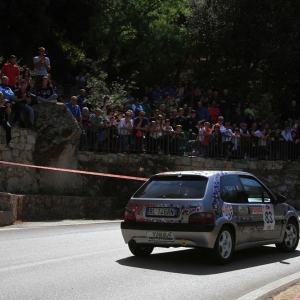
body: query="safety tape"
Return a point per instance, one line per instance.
(73, 171)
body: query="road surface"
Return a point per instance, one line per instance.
(89, 260)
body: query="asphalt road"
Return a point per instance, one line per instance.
(88, 260)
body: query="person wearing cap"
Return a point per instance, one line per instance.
(12, 71)
(42, 67)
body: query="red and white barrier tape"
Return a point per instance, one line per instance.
(73, 171)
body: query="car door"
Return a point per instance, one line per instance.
(235, 206)
(266, 216)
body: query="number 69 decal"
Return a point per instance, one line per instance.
(268, 216)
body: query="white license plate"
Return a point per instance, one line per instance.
(160, 236)
(161, 211)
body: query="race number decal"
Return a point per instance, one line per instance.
(227, 211)
(268, 216)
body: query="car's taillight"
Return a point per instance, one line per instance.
(129, 216)
(202, 218)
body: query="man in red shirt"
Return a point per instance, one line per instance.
(12, 71)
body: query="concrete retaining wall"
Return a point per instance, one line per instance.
(40, 208)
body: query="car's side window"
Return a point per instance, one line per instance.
(231, 189)
(256, 192)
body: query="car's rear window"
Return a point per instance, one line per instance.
(170, 187)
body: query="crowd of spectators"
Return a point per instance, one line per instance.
(160, 121)
(174, 120)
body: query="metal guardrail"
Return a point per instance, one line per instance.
(109, 140)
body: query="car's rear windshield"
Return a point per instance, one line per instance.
(167, 187)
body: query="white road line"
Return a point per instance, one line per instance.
(269, 289)
(55, 260)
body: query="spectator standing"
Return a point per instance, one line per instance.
(167, 136)
(22, 100)
(214, 112)
(12, 71)
(75, 110)
(45, 92)
(136, 107)
(250, 110)
(202, 112)
(206, 139)
(86, 125)
(81, 99)
(140, 125)
(5, 111)
(236, 139)
(276, 144)
(42, 67)
(216, 141)
(245, 140)
(124, 129)
(192, 127)
(96, 124)
(146, 107)
(156, 135)
(226, 139)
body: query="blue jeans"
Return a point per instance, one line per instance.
(27, 108)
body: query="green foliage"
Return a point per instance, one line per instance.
(264, 110)
(96, 80)
(243, 44)
(144, 36)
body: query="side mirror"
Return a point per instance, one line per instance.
(280, 199)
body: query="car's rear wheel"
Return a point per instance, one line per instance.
(140, 250)
(224, 246)
(290, 239)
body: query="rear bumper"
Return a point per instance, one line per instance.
(168, 226)
(187, 235)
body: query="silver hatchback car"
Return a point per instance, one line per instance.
(221, 211)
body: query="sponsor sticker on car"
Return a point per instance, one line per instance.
(256, 210)
(160, 236)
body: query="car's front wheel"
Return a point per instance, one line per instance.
(140, 250)
(224, 246)
(290, 239)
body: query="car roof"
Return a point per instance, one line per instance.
(205, 173)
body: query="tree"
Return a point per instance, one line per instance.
(141, 36)
(244, 44)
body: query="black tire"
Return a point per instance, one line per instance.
(290, 238)
(224, 246)
(140, 250)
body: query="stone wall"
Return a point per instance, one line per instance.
(40, 208)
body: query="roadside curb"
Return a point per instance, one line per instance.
(270, 289)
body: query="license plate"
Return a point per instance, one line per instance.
(159, 236)
(161, 212)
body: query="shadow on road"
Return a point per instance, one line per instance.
(197, 261)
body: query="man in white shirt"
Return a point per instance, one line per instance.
(42, 67)
(124, 129)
